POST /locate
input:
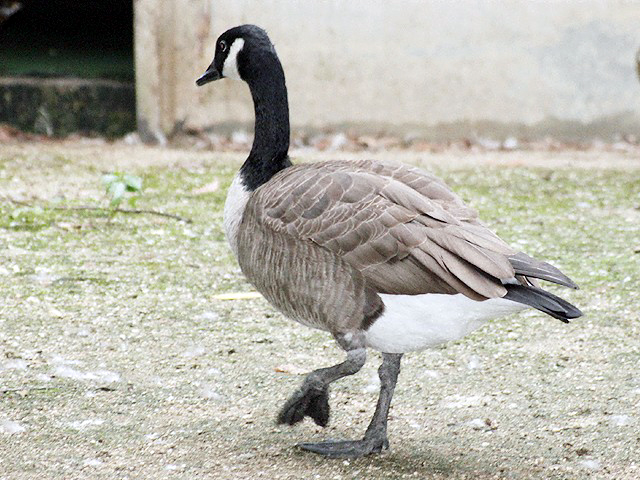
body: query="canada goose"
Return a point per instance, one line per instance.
(380, 255)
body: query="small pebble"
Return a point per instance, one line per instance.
(590, 464)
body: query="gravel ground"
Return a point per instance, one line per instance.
(119, 360)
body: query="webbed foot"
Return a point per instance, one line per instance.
(312, 398)
(348, 448)
(307, 401)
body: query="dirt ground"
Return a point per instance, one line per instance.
(119, 359)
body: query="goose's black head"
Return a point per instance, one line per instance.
(246, 53)
(241, 52)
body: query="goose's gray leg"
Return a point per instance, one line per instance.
(375, 438)
(312, 398)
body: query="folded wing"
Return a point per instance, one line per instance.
(402, 228)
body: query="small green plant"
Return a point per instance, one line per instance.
(118, 184)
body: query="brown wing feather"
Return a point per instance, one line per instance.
(402, 228)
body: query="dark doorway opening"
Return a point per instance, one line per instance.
(80, 50)
(85, 39)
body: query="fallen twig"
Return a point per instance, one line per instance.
(103, 209)
(27, 389)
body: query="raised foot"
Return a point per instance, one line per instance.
(347, 448)
(308, 402)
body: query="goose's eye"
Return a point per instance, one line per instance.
(222, 45)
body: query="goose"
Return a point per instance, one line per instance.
(380, 255)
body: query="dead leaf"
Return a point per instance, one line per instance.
(237, 296)
(290, 369)
(68, 226)
(208, 188)
(55, 313)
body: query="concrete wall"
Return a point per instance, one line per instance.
(440, 68)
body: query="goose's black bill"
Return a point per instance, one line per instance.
(209, 76)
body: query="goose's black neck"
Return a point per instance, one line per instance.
(269, 153)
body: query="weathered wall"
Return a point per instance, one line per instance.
(427, 66)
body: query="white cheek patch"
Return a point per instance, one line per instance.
(230, 67)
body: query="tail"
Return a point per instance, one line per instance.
(542, 300)
(528, 293)
(524, 265)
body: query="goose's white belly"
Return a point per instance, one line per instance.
(416, 322)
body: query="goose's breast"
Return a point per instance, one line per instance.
(234, 206)
(416, 322)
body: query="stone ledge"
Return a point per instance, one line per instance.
(60, 106)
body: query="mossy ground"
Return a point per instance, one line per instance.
(118, 362)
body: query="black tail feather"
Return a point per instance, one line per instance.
(542, 300)
(523, 264)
